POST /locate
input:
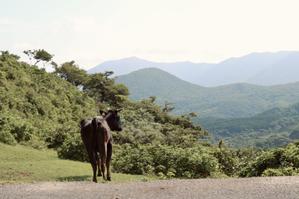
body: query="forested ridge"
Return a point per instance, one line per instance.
(43, 110)
(272, 128)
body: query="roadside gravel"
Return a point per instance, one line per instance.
(232, 188)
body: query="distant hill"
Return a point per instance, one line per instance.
(273, 127)
(231, 101)
(255, 68)
(185, 70)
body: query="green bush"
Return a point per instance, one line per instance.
(268, 159)
(133, 160)
(170, 161)
(287, 171)
(73, 149)
(227, 160)
(291, 155)
(6, 137)
(275, 162)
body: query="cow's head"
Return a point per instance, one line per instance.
(113, 120)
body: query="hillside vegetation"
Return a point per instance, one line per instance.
(275, 127)
(36, 105)
(42, 110)
(231, 101)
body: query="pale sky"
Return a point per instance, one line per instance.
(91, 31)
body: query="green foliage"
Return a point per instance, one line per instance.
(291, 155)
(39, 55)
(73, 149)
(41, 109)
(169, 161)
(7, 137)
(99, 86)
(38, 107)
(145, 123)
(272, 128)
(72, 73)
(227, 161)
(287, 171)
(104, 90)
(281, 161)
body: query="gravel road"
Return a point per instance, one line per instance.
(246, 188)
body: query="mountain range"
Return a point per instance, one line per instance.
(247, 101)
(230, 101)
(255, 68)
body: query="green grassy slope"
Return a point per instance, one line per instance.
(24, 164)
(231, 101)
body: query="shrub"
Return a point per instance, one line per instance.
(73, 149)
(284, 171)
(227, 160)
(133, 160)
(167, 160)
(268, 159)
(291, 155)
(6, 137)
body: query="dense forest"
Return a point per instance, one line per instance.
(42, 110)
(275, 127)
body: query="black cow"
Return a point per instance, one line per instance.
(97, 139)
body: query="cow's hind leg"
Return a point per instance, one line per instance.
(93, 162)
(108, 161)
(103, 155)
(99, 165)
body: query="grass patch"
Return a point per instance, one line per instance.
(23, 164)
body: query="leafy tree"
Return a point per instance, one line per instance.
(72, 73)
(104, 90)
(39, 55)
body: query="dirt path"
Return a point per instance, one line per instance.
(249, 188)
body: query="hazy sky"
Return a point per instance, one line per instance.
(91, 31)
